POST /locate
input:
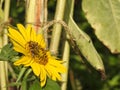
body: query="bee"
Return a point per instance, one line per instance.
(34, 48)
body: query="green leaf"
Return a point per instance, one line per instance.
(7, 52)
(104, 17)
(114, 81)
(83, 41)
(86, 47)
(35, 86)
(51, 85)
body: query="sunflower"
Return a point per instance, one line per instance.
(32, 46)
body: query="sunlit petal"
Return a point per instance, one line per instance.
(23, 60)
(33, 35)
(48, 71)
(60, 67)
(43, 76)
(55, 74)
(22, 31)
(36, 68)
(16, 36)
(28, 32)
(19, 48)
(41, 40)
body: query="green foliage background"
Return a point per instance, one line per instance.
(85, 77)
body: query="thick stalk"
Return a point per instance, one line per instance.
(1, 3)
(30, 11)
(0, 61)
(56, 33)
(45, 20)
(59, 14)
(3, 65)
(66, 53)
(34, 13)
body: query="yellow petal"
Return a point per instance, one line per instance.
(30, 63)
(48, 71)
(58, 76)
(28, 32)
(33, 35)
(24, 61)
(19, 48)
(16, 36)
(43, 76)
(53, 77)
(43, 73)
(36, 68)
(51, 70)
(42, 83)
(54, 72)
(22, 30)
(60, 68)
(41, 41)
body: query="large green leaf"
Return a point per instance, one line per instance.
(104, 17)
(35, 86)
(83, 41)
(51, 85)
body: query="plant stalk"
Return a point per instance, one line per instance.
(66, 53)
(34, 13)
(57, 28)
(3, 64)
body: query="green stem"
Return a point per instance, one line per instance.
(57, 27)
(3, 76)
(3, 65)
(24, 82)
(21, 74)
(56, 38)
(1, 3)
(13, 74)
(66, 53)
(45, 20)
(66, 50)
(27, 73)
(24, 85)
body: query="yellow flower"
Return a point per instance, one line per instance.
(32, 46)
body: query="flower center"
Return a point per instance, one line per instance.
(37, 52)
